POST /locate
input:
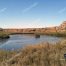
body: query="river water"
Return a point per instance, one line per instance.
(19, 41)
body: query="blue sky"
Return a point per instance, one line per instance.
(32, 13)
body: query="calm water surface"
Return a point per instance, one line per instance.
(19, 41)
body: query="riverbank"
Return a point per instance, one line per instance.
(44, 54)
(4, 35)
(57, 34)
(56, 29)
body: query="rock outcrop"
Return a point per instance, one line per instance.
(62, 27)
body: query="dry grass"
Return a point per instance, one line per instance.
(44, 54)
(3, 35)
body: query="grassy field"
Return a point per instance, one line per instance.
(43, 54)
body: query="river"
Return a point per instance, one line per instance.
(19, 41)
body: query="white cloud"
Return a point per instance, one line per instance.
(2, 10)
(30, 7)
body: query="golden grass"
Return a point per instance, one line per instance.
(43, 54)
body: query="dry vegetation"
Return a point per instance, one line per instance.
(3, 35)
(44, 54)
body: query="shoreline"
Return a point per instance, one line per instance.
(28, 55)
(4, 35)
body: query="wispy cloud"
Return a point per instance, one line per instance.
(2, 10)
(62, 10)
(30, 7)
(35, 23)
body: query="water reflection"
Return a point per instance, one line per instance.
(19, 41)
(2, 41)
